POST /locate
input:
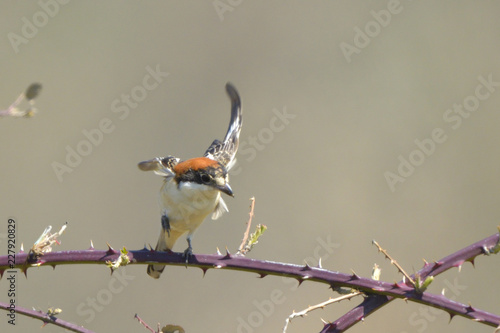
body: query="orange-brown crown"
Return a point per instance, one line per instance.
(195, 164)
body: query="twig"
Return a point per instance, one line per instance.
(249, 223)
(144, 324)
(318, 306)
(395, 263)
(348, 293)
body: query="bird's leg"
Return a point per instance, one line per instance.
(189, 251)
(165, 224)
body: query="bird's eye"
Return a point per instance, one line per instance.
(205, 178)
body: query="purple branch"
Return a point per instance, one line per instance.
(386, 291)
(47, 319)
(373, 303)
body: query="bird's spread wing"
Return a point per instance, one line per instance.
(225, 152)
(163, 166)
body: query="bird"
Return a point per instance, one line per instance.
(192, 188)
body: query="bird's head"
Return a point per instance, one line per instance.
(203, 171)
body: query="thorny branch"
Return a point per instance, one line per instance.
(372, 303)
(347, 294)
(46, 318)
(378, 293)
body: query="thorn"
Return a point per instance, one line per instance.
(144, 248)
(451, 317)
(110, 250)
(472, 262)
(399, 285)
(354, 276)
(228, 255)
(319, 263)
(262, 275)
(437, 264)
(300, 281)
(151, 248)
(323, 321)
(306, 267)
(53, 266)
(425, 262)
(204, 269)
(330, 326)
(91, 245)
(1, 272)
(22, 248)
(470, 308)
(218, 251)
(442, 292)
(25, 271)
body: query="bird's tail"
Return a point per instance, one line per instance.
(165, 243)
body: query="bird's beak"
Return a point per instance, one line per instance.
(226, 189)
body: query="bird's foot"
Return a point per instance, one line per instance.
(188, 253)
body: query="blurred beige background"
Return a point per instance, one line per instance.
(356, 101)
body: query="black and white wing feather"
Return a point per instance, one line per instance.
(225, 152)
(163, 166)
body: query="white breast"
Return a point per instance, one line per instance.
(188, 205)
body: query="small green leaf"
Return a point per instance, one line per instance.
(254, 238)
(122, 260)
(420, 286)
